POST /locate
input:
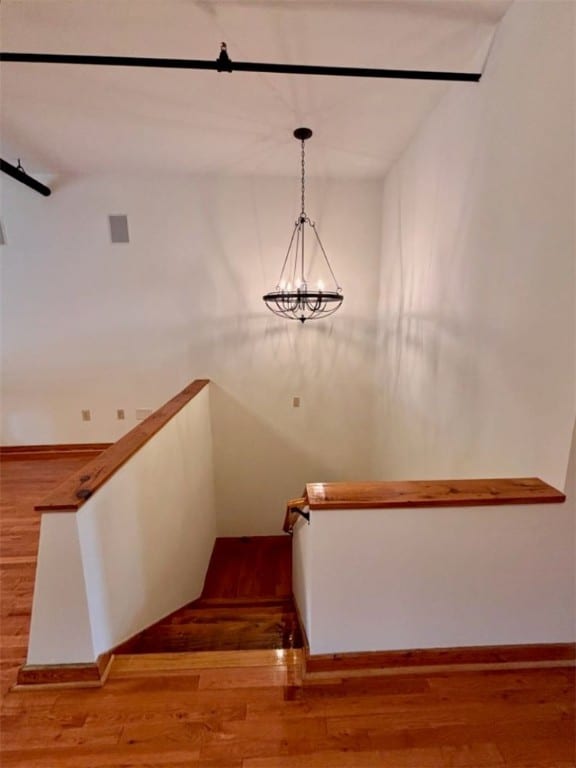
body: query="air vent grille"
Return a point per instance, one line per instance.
(119, 229)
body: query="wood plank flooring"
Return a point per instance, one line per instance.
(246, 603)
(250, 709)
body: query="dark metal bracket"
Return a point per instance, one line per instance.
(224, 64)
(292, 511)
(301, 512)
(18, 173)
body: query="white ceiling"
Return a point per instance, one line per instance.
(73, 119)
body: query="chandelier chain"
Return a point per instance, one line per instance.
(303, 165)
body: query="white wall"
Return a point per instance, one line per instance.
(302, 568)
(60, 631)
(87, 324)
(137, 550)
(477, 293)
(471, 372)
(385, 579)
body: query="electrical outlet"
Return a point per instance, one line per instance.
(120, 414)
(86, 415)
(295, 402)
(142, 413)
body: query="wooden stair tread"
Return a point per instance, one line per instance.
(128, 665)
(220, 608)
(196, 623)
(241, 601)
(193, 622)
(232, 632)
(246, 604)
(188, 643)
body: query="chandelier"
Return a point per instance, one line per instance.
(293, 297)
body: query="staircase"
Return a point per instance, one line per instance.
(246, 604)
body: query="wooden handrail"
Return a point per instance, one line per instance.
(431, 493)
(9, 450)
(74, 491)
(294, 510)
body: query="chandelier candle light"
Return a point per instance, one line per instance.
(292, 297)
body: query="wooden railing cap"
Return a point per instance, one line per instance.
(431, 493)
(74, 491)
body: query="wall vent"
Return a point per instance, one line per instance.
(2, 235)
(119, 229)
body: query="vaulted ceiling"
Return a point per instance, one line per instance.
(77, 119)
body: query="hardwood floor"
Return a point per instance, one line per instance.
(250, 709)
(246, 603)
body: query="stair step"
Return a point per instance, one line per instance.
(136, 665)
(241, 601)
(246, 604)
(226, 614)
(226, 625)
(188, 643)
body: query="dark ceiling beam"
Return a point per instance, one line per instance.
(225, 64)
(21, 176)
